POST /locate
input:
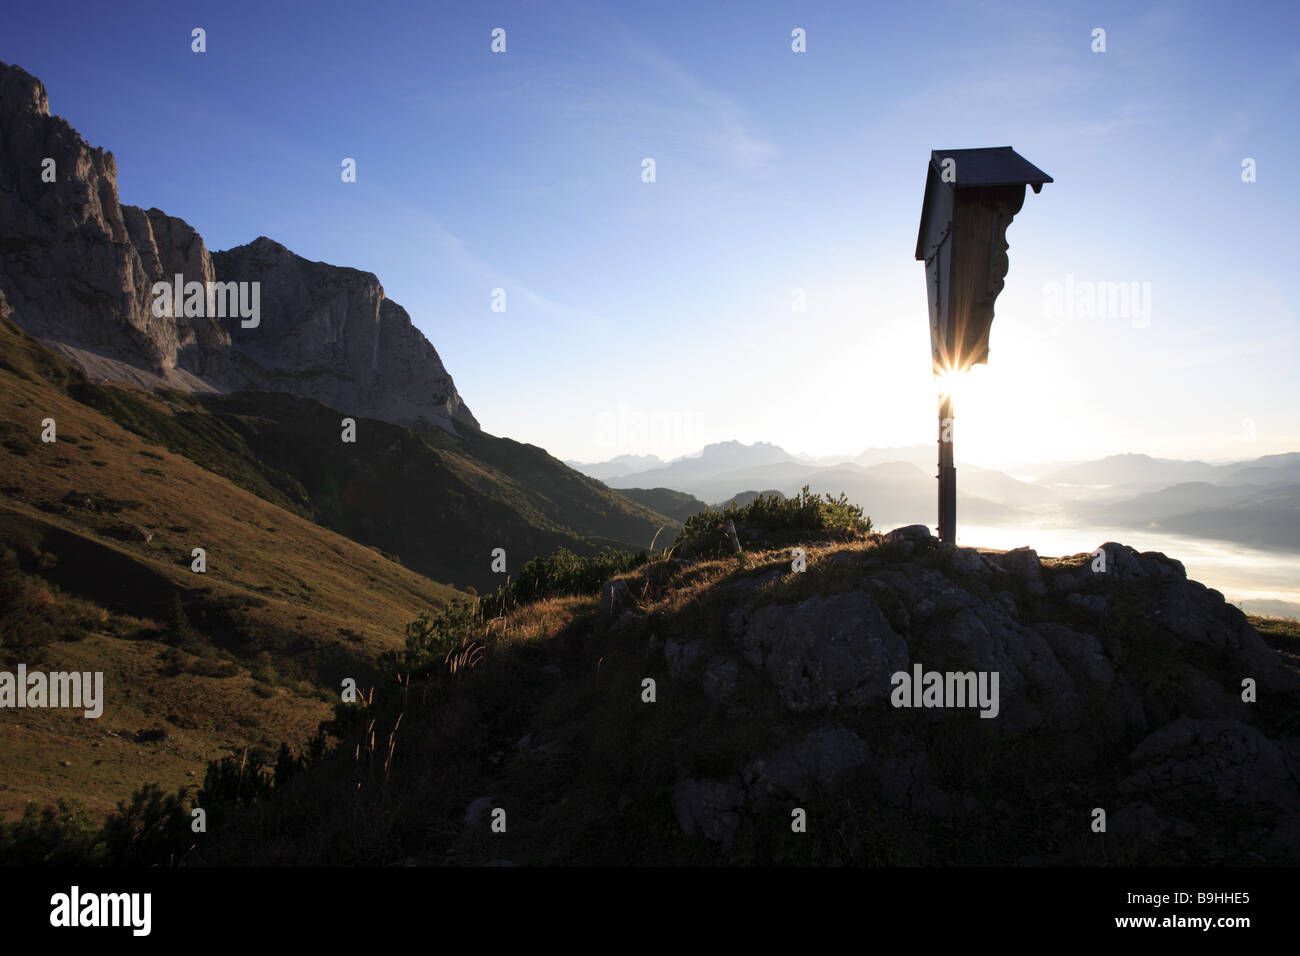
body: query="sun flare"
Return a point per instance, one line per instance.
(950, 383)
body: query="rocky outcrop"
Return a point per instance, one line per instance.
(826, 652)
(78, 269)
(1122, 686)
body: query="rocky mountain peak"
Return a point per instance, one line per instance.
(79, 270)
(22, 92)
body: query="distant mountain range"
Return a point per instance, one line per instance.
(1117, 474)
(1248, 502)
(616, 467)
(894, 490)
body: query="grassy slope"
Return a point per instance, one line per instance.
(286, 608)
(1282, 634)
(676, 504)
(442, 503)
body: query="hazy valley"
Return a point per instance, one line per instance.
(1236, 525)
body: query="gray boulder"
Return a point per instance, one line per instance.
(827, 652)
(970, 563)
(911, 538)
(721, 678)
(1022, 564)
(1111, 701)
(1198, 759)
(1033, 686)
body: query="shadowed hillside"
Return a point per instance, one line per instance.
(98, 529)
(96, 534)
(700, 711)
(1120, 690)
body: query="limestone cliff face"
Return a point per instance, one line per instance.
(77, 268)
(330, 333)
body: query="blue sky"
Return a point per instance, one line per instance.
(657, 317)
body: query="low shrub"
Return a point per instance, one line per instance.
(772, 521)
(559, 574)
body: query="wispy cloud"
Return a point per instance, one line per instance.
(473, 264)
(705, 113)
(463, 258)
(1129, 117)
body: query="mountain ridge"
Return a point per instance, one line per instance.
(79, 269)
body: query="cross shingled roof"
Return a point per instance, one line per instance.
(987, 166)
